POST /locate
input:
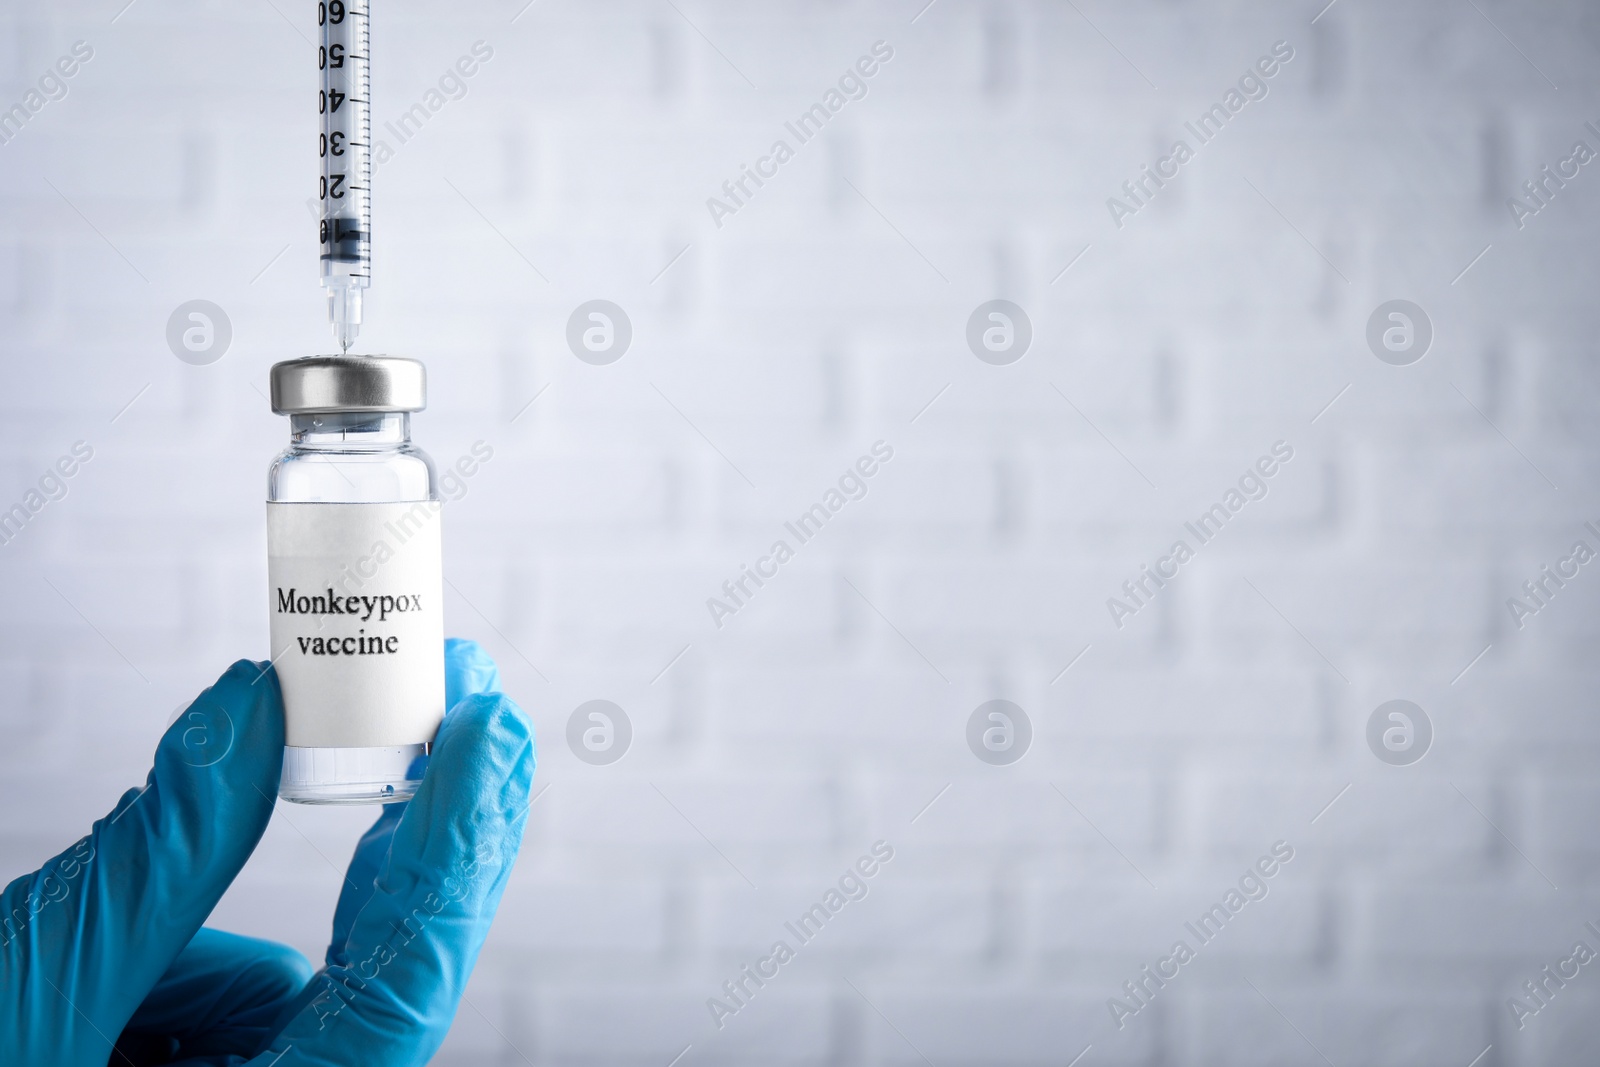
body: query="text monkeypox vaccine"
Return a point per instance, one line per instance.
(356, 597)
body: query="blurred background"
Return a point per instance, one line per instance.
(1153, 354)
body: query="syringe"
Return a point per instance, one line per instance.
(346, 147)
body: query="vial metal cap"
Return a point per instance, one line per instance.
(348, 383)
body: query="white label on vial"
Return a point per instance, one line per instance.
(355, 595)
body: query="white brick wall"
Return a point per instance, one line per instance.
(793, 337)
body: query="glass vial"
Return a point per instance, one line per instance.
(355, 592)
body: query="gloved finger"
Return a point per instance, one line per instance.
(412, 948)
(360, 879)
(468, 669)
(219, 999)
(88, 935)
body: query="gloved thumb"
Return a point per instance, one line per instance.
(105, 919)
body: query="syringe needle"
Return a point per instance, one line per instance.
(344, 312)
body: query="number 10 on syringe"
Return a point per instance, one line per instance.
(346, 150)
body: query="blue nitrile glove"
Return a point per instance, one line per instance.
(106, 940)
(421, 891)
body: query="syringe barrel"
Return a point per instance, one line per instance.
(345, 144)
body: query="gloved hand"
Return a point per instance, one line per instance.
(103, 944)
